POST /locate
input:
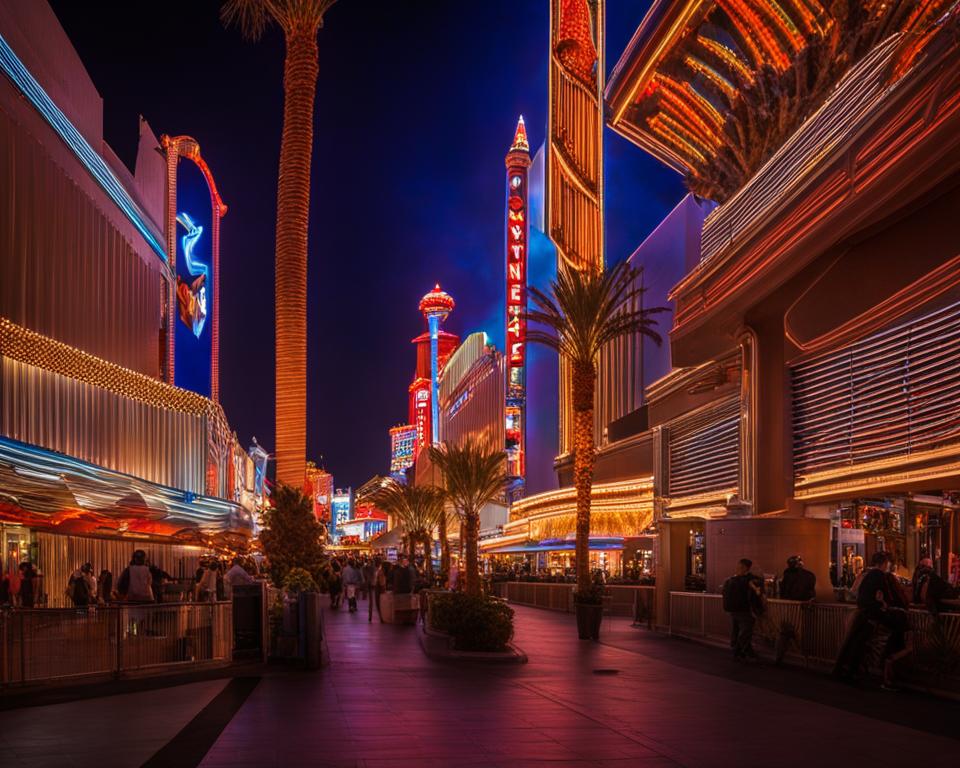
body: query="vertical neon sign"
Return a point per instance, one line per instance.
(517, 234)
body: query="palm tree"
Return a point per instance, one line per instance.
(587, 310)
(418, 509)
(474, 474)
(300, 21)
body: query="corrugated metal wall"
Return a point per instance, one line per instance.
(65, 270)
(162, 445)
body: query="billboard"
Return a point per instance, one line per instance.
(402, 442)
(195, 280)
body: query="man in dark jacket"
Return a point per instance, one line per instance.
(929, 587)
(404, 577)
(879, 603)
(798, 583)
(743, 600)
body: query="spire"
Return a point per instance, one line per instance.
(520, 137)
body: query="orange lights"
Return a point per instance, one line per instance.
(41, 351)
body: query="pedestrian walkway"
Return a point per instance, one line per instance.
(634, 700)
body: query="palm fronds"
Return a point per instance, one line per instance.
(588, 309)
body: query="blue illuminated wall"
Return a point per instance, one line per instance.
(543, 372)
(195, 290)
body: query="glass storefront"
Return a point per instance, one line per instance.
(910, 527)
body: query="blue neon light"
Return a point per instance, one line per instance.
(20, 76)
(196, 268)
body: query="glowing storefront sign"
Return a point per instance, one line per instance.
(402, 442)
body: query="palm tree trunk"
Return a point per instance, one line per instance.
(444, 546)
(584, 378)
(293, 207)
(428, 557)
(471, 534)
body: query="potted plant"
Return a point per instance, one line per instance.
(588, 605)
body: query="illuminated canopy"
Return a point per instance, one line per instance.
(714, 87)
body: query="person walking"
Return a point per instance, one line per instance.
(336, 584)
(352, 581)
(369, 570)
(743, 600)
(105, 586)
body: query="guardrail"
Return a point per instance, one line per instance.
(59, 643)
(620, 599)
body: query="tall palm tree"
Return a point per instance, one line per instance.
(474, 474)
(300, 21)
(588, 309)
(418, 509)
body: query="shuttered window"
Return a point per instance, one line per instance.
(892, 394)
(704, 451)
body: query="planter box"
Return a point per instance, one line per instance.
(439, 645)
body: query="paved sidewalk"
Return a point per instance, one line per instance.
(108, 732)
(382, 703)
(635, 700)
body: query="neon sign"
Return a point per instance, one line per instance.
(517, 162)
(402, 442)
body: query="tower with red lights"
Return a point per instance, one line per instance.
(517, 238)
(433, 349)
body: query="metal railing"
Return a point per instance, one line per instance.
(620, 599)
(59, 643)
(813, 632)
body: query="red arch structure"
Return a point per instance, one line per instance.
(176, 147)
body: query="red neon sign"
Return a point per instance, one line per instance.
(516, 271)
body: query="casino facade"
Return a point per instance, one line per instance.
(111, 433)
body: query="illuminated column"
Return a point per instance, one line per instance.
(517, 237)
(435, 307)
(575, 123)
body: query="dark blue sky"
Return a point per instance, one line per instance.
(416, 107)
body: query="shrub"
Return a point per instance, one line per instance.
(300, 580)
(475, 623)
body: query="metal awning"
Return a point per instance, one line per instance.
(597, 544)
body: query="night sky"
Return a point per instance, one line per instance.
(416, 106)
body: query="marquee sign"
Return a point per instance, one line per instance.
(517, 162)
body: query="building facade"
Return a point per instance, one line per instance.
(811, 406)
(102, 453)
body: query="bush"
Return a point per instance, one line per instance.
(300, 580)
(474, 623)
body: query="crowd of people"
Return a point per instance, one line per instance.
(368, 578)
(881, 619)
(142, 581)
